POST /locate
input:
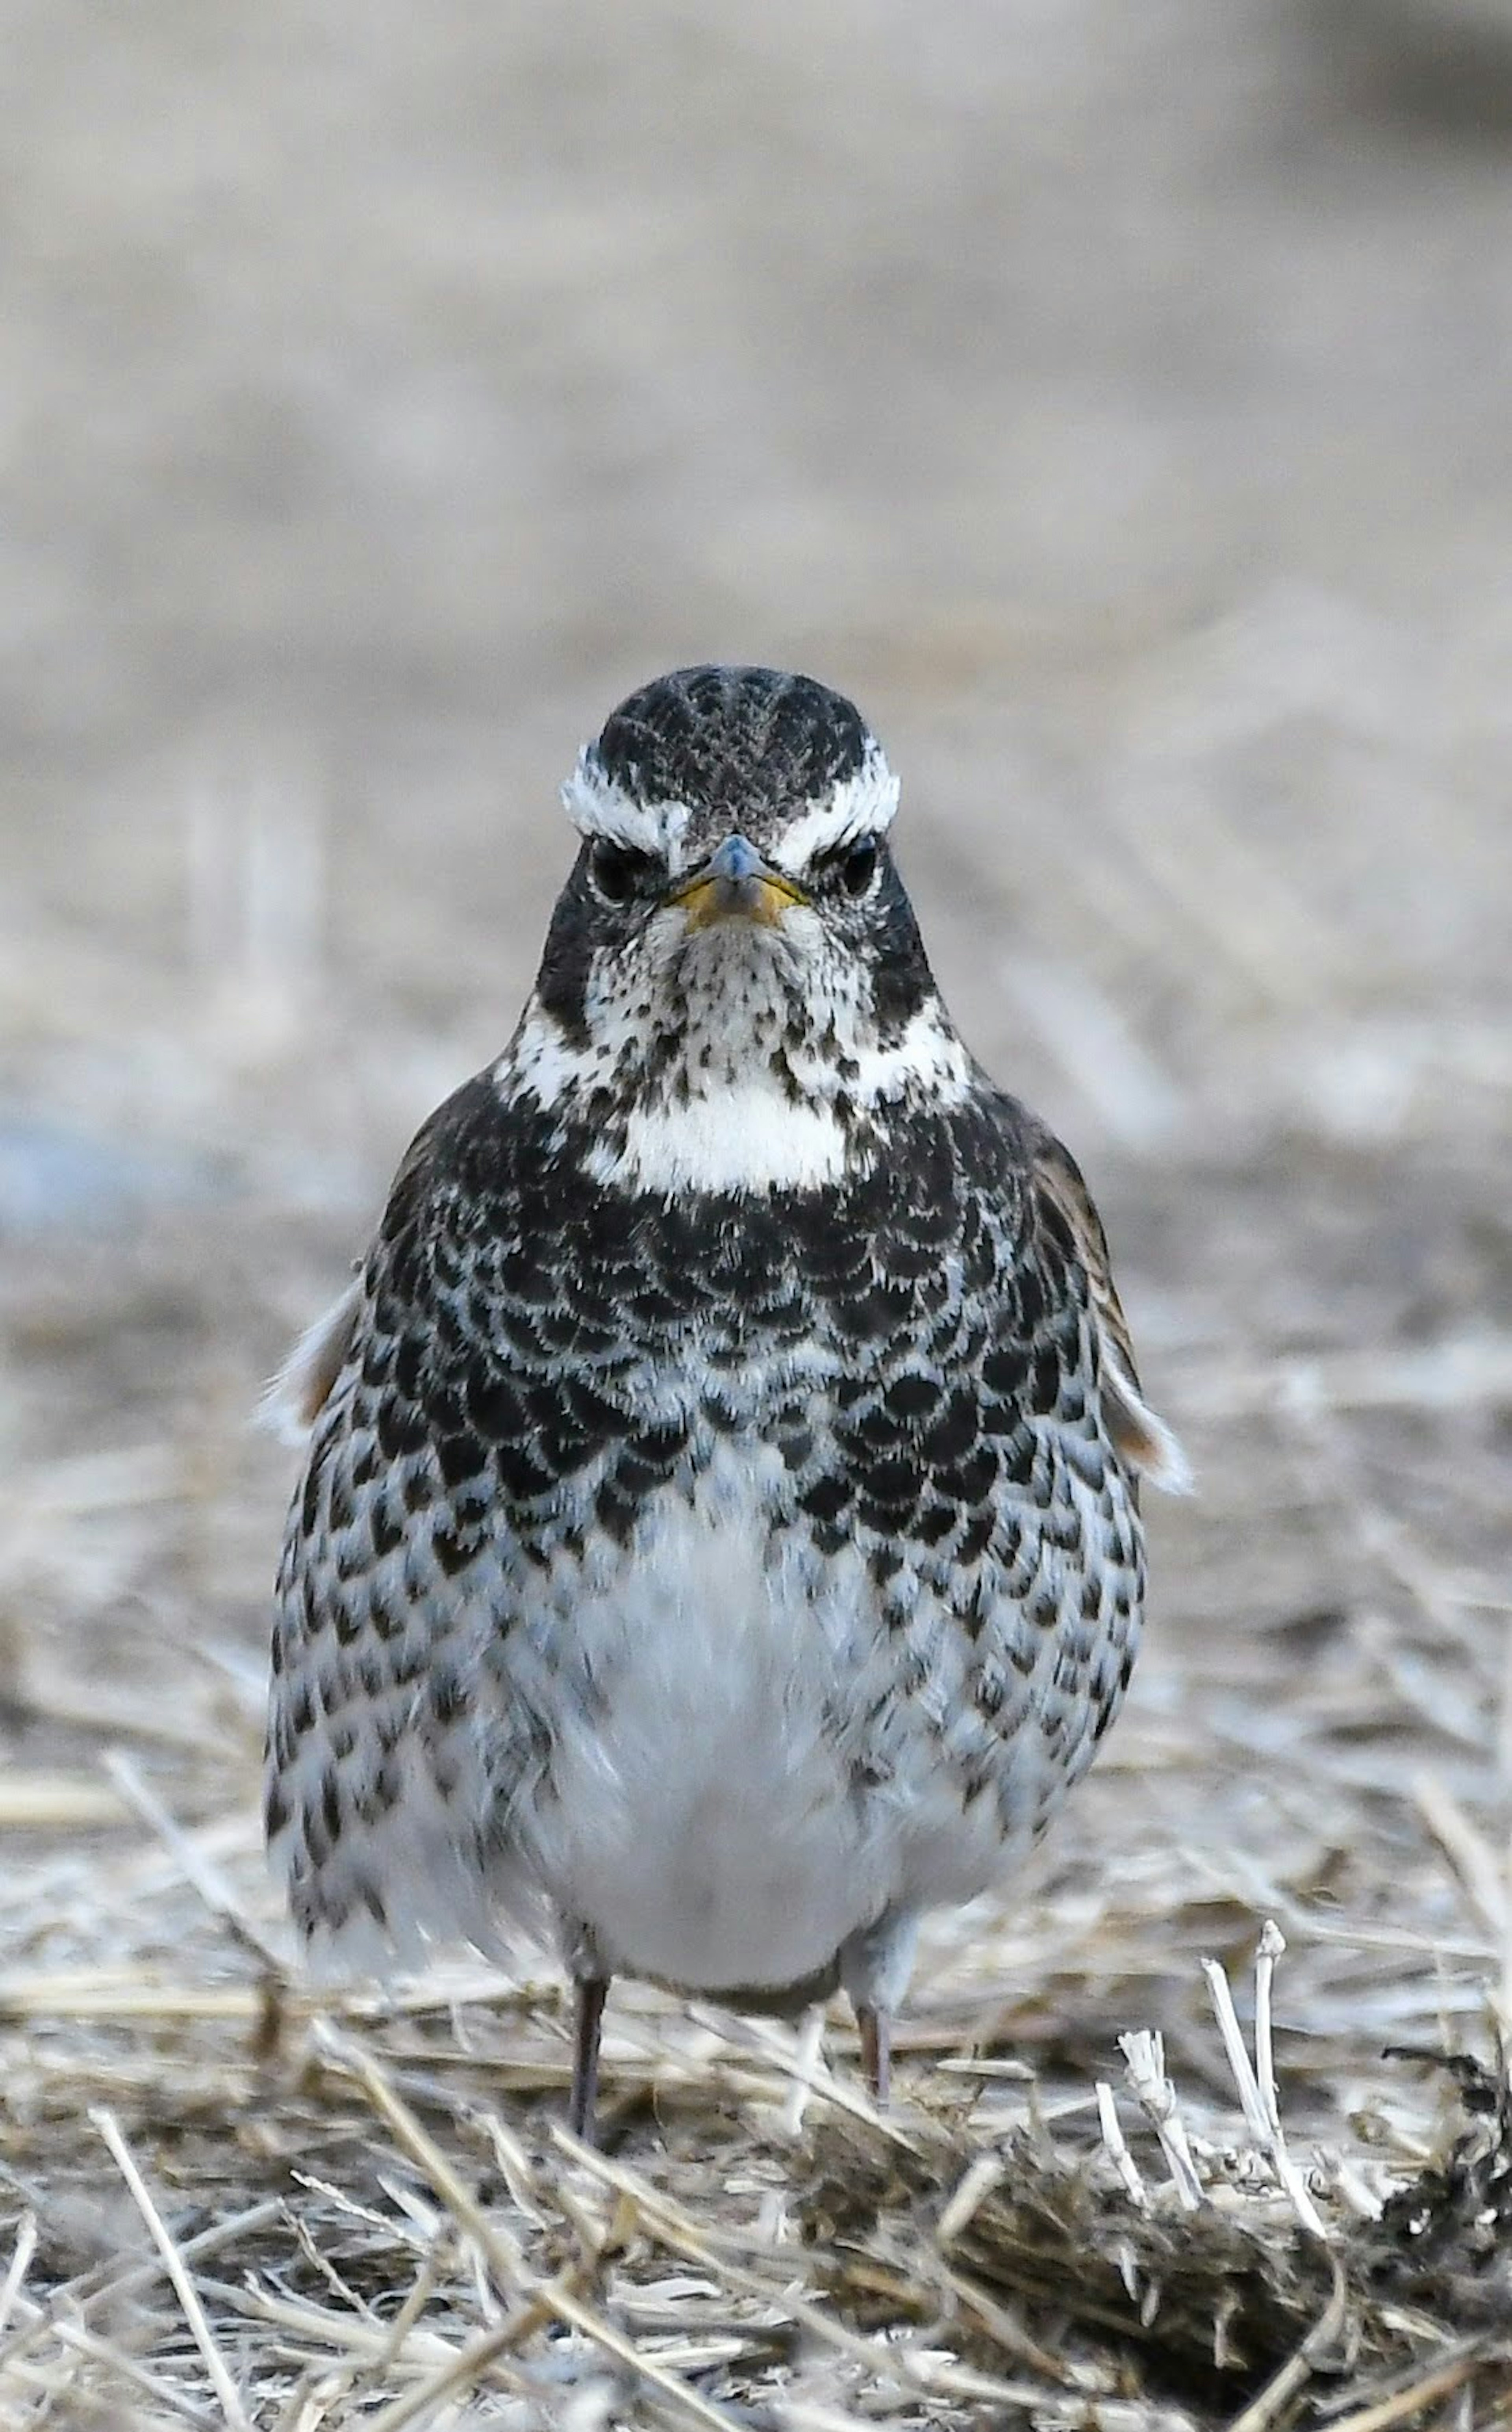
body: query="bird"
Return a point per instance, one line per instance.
(718, 1541)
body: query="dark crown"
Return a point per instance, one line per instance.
(731, 741)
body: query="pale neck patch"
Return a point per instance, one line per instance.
(928, 1059)
(541, 1062)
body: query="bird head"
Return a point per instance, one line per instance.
(734, 931)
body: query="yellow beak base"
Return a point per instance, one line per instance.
(762, 900)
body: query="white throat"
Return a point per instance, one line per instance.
(747, 1134)
(721, 1121)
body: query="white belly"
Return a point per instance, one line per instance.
(702, 1821)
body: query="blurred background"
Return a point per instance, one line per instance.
(1116, 401)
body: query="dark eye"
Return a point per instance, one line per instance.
(858, 867)
(615, 872)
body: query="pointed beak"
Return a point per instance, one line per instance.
(737, 884)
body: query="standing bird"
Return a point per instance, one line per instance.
(719, 1531)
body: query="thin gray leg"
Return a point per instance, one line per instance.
(875, 2051)
(875, 1967)
(590, 1993)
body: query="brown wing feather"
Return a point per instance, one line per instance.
(1144, 1441)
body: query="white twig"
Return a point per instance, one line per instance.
(1118, 2153)
(1272, 1943)
(20, 2264)
(1260, 2107)
(807, 2063)
(1145, 2055)
(984, 2173)
(1238, 2059)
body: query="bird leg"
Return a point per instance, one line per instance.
(588, 2015)
(876, 2028)
(875, 1966)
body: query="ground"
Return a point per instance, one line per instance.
(1114, 400)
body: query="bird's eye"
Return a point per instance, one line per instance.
(858, 867)
(615, 872)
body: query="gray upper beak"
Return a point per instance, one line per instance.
(736, 858)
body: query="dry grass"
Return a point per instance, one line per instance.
(1209, 2122)
(234, 2201)
(1115, 399)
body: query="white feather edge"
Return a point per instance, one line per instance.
(865, 804)
(294, 1399)
(862, 804)
(597, 807)
(1159, 1455)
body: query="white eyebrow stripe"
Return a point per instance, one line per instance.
(863, 804)
(598, 807)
